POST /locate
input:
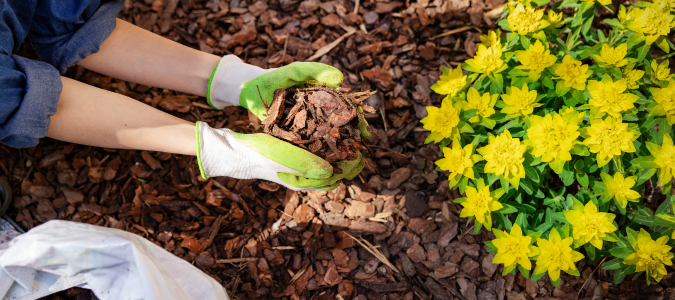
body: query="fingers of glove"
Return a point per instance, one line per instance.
(299, 182)
(296, 73)
(306, 71)
(350, 169)
(283, 153)
(327, 187)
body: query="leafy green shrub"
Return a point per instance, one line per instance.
(557, 131)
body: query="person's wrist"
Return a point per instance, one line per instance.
(227, 80)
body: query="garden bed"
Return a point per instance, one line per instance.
(391, 233)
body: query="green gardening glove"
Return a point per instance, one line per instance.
(234, 82)
(222, 152)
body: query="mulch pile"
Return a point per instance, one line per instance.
(391, 233)
(319, 119)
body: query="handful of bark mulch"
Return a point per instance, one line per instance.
(325, 121)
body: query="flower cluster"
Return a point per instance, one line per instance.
(554, 130)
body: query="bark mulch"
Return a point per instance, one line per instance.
(391, 233)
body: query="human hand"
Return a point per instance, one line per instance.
(222, 152)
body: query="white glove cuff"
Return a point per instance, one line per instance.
(223, 157)
(227, 80)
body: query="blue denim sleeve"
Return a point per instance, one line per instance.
(30, 93)
(65, 32)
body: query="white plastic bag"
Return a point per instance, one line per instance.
(114, 264)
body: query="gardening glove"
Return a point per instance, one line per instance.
(234, 82)
(222, 152)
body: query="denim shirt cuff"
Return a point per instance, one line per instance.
(66, 50)
(31, 120)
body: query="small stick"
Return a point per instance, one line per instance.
(327, 48)
(267, 107)
(285, 45)
(589, 277)
(236, 260)
(457, 30)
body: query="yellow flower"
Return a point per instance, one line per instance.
(613, 56)
(609, 138)
(488, 60)
(664, 4)
(632, 76)
(484, 104)
(556, 255)
(572, 73)
(664, 157)
(459, 161)
(625, 15)
(665, 99)
(651, 256)
(489, 39)
(660, 72)
(608, 96)
(536, 59)
(451, 82)
(556, 19)
(526, 20)
(520, 102)
(553, 136)
(603, 2)
(504, 156)
(479, 202)
(442, 122)
(651, 23)
(619, 188)
(589, 225)
(513, 249)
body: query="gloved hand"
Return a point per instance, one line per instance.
(222, 152)
(234, 82)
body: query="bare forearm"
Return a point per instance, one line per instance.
(137, 55)
(92, 116)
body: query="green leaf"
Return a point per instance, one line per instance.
(580, 150)
(560, 89)
(507, 209)
(619, 275)
(644, 175)
(567, 175)
(462, 184)
(590, 251)
(622, 252)
(548, 82)
(544, 227)
(642, 52)
(504, 182)
(560, 216)
(613, 264)
(467, 114)
(527, 186)
(531, 174)
(524, 41)
(537, 276)
(497, 84)
(576, 204)
(644, 162)
(582, 178)
(524, 272)
(524, 208)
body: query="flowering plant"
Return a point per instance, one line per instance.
(554, 141)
